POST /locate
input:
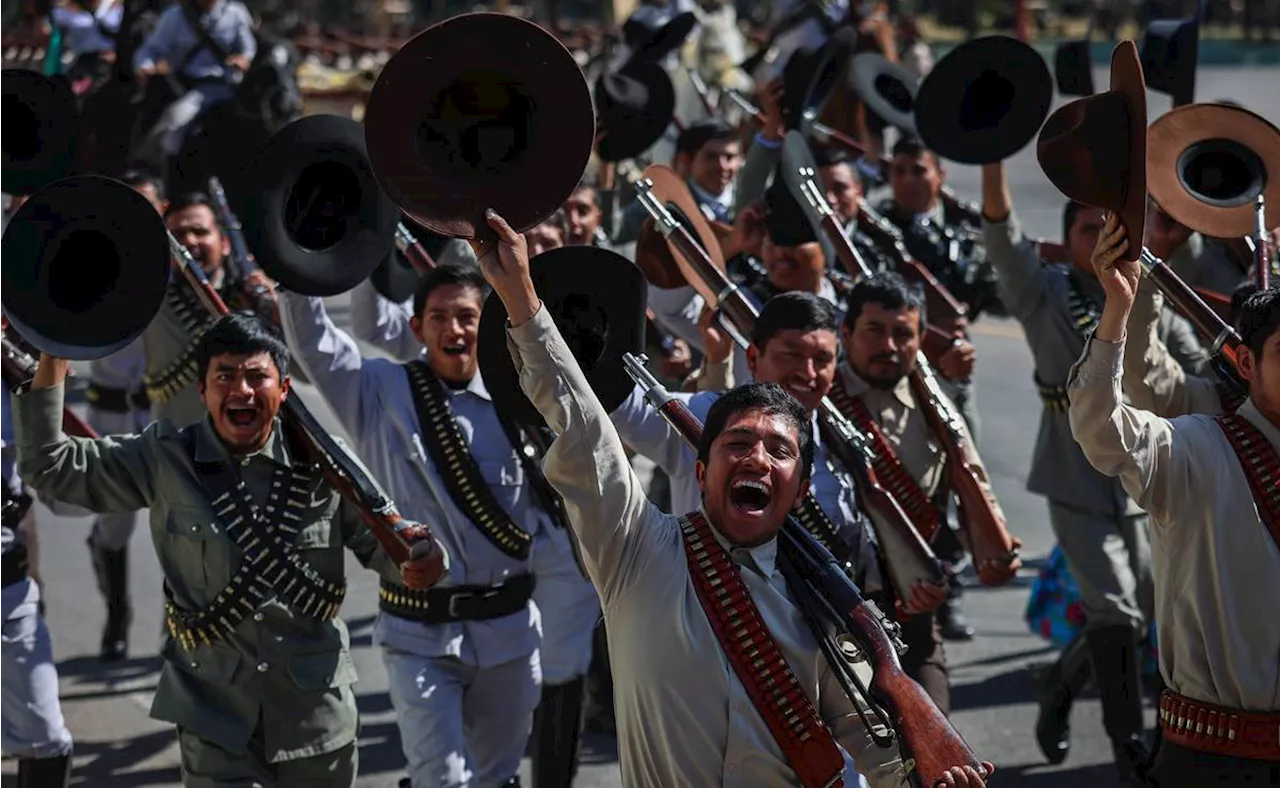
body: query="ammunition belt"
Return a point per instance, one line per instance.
(270, 567)
(757, 661)
(816, 522)
(115, 400)
(1084, 310)
(1234, 733)
(457, 467)
(1054, 397)
(1261, 465)
(181, 372)
(457, 603)
(888, 466)
(1230, 396)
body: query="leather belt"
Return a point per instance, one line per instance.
(1054, 397)
(1219, 730)
(457, 603)
(116, 400)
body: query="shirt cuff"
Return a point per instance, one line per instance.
(534, 332)
(1102, 362)
(37, 417)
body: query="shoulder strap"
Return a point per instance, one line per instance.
(1261, 467)
(889, 468)
(757, 661)
(206, 41)
(457, 467)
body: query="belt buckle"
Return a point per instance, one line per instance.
(455, 598)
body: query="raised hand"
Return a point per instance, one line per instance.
(717, 345)
(1118, 277)
(506, 269)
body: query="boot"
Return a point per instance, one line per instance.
(44, 772)
(557, 725)
(1059, 687)
(1114, 651)
(951, 618)
(112, 570)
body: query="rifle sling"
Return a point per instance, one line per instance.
(457, 467)
(757, 661)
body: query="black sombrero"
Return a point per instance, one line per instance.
(597, 299)
(41, 126)
(634, 106)
(652, 46)
(888, 90)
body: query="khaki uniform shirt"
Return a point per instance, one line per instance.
(288, 673)
(1217, 569)
(1153, 378)
(684, 719)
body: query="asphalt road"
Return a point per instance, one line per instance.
(118, 745)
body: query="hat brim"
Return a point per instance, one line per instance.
(632, 135)
(797, 165)
(597, 299)
(429, 177)
(984, 101)
(671, 190)
(86, 264)
(324, 156)
(395, 278)
(1180, 132)
(664, 40)
(1126, 80)
(832, 64)
(888, 90)
(42, 123)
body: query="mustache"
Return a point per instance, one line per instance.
(893, 358)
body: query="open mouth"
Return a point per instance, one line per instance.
(242, 417)
(750, 495)
(454, 350)
(798, 389)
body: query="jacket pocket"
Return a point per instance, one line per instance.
(196, 554)
(318, 671)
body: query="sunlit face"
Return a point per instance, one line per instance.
(883, 344)
(197, 229)
(715, 165)
(752, 477)
(842, 190)
(447, 328)
(583, 217)
(243, 394)
(802, 362)
(791, 268)
(1083, 237)
(916, 181)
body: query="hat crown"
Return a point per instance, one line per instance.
(1071, 157)
(617, 92)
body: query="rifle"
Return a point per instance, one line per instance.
(983, 521)
(929, 743)
(907, 555)
(20, 367)
(402, 541)
(1261, 245)
(264, 303)
(704, 93)
(413, 250)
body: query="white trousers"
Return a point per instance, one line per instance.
(568, 604)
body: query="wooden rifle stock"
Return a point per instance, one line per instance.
(20, 367)
(995, 552)
(401, 540)
(413, 250)
(264, 303)
(944, 309)
(926, 734)
(1223, 340)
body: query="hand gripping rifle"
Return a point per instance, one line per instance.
(983, 521)
(907, 557)
(401, 540)
(829, 599)
(264, 303)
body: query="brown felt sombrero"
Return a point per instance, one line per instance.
(662, 265)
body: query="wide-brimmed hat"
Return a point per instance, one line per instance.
(86, 263)
(317, 220)
(661, 263)
(650, 45)
(41, 126)
(597, 299)
(1073, 67)
(810, 78)
(888, 90)
(480, 111)
(1207, 164)
(1170, 52)
(789, 220)
(1095, 149)
(634, 107)
(984, 101)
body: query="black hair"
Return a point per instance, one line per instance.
(830, 156)
(768, 398)
(886, 289)
(912, 146)
(793, 311)
(241, 334)
(1238, 297)
(1259, 319)
(588, 185)
(442, 276)
(1069, 213)
(700, 133)
(187, 200)
(140, 177)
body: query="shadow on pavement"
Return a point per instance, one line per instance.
(1097, 776)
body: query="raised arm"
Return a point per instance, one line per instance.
(331, 358)
(114, 474)
(157, 45)
(608, 511)
(1013, 256)
(383, 324)
(1152, 377)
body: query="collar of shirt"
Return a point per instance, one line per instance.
(857, 387)
(827, 291)
(1270, 431)
(763, 558)
(210, 448)
(704, 196)
(474, 386)
(934, 214)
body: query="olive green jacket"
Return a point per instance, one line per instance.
(288, 673)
